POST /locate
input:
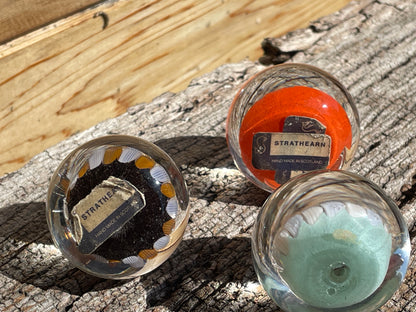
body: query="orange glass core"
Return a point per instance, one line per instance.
(269, 115)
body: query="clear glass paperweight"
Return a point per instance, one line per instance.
(290, 119)
(330, 241)
(117, 207)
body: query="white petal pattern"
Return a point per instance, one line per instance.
(293, 225)
(72, 182)
(172, 207)
(129, 154)
(356, 211)
(311, 215)
(96, 158)
(161, 242)
(332, 208)
(374, 218)
(134, 261)
(159, 173)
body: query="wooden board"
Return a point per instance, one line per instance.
(69, 75)
(369, 46)
(22, 16)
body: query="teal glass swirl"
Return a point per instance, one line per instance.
(330, 241)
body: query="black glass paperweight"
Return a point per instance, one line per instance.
(117, 207)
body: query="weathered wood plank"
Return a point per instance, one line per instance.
(22, 16)
(71, 74)
(212, 269)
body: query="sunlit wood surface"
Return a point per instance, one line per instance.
(93, 64)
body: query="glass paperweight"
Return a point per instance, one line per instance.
(330, 241)
(117, 207)
(290, 119)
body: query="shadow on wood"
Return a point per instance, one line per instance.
(200, 155)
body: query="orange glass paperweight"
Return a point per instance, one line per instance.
(290, 119)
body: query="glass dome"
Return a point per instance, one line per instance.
(117, 207)
(290, 119)
(330, 241)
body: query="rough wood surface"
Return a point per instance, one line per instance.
(94, 64)
(370, 46)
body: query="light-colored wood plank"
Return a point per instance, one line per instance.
(18, 17)
(72, 74)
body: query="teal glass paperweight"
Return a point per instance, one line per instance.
(330, 241)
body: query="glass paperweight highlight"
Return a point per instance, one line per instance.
(330, 241)
(117, 207)
(290, 119)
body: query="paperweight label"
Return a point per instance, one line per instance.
(108, 207)
(295, 151)
(302, 146)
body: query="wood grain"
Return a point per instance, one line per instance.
(22, 16)
(71, 74)
(369, 46)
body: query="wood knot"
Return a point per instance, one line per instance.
(104, 16)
